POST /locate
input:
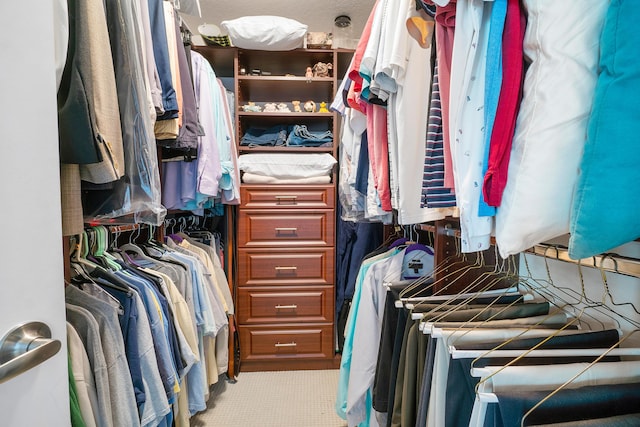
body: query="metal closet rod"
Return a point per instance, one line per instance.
(609, 262)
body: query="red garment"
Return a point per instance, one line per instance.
(508, 105)
(445, 28)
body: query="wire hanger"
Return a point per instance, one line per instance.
(551, 292)
(496, 352)
(464, 297)
(606, 284)
(611, 349)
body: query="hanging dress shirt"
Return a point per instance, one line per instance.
(466, 119)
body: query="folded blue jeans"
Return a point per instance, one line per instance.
(276, 135)
(301, 136)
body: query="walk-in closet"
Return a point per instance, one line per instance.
(350, 213)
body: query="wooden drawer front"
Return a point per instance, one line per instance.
(286, 228)
(285, 267)
(288, 196)
(283, 304)
(286, 342)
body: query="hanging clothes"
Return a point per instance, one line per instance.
(154, 321)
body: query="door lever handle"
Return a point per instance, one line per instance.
(25, 347)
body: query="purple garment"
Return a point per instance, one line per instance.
(178, 184)
(209, 169)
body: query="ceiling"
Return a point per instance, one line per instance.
(318, 15)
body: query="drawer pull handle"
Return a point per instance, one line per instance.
(293, 267)
(288, 198)
(285, 344)
(282, 307)
(292, 229)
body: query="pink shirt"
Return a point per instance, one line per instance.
(445, 28)
(379, 152)
(354, 70)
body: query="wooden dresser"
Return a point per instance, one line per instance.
(284, 248)
(285, 295)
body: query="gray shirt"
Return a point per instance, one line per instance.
(124, 409)
(87, 327)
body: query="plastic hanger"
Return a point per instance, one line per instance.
(419, 286)
(100, 251)
(80, 251)
(80, 261)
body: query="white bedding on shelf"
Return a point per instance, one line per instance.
(253, 178)
(287, 165)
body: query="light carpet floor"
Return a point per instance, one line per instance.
(273, 399)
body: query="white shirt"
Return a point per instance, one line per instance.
(466, 119)
(366, 336)
(408, 114)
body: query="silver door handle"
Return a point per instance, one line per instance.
(282, 307)
(25, 347)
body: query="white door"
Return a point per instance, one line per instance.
(31, 263)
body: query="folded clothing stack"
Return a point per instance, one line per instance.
(273, 136)
(279, 135)
(286, 168)
(299, 135)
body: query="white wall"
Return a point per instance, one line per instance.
(623, 289)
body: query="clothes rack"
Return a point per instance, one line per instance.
(609, 262)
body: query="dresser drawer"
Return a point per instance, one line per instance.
(286, 228)
(287, 196)
(285, 304)
(279, 266)
(286, 342)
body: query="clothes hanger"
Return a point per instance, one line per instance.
(473, 323)
(519, 354)
(613, 350)
(418, 285)
(78, 254)
(151, 241)
(457, 275)
(135, 234)
(606, 284)
(552, 291)
(100, 250)
(494, 278)
(89, 248)
(462, 299)
(87, 266)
